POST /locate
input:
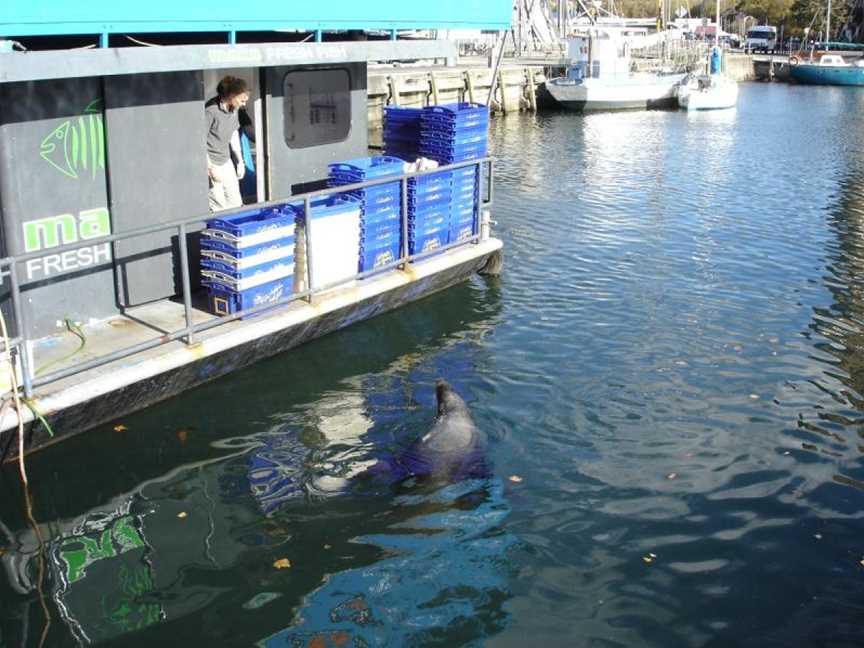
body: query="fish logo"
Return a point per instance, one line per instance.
(78, 144)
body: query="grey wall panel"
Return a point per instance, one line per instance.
(53, 191)
(290, 166)
(157, 173)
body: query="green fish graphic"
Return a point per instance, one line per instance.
(78, 143)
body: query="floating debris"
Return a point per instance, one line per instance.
(754, 396)
(516, 479)
(649, 558)
(120, 428)
(671, 475)
(183, 434)
(282, 563)
(818, 536)
(260, 600)
(328, 546)
(182, 514)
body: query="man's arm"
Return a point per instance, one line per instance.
(238, 154)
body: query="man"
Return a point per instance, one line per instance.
(223, 140)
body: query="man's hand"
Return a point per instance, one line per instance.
(241, 170)
(211, 173)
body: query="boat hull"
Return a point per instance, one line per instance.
(595, 95)
(811, 74)
(722, 95)
(87, 400)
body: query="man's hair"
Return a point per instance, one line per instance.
(231, 86)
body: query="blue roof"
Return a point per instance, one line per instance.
(57, 17)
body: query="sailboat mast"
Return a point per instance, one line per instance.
(717, 26)
(828, 26)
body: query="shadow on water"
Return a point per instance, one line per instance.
(231, 515)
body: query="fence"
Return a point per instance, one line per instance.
(18, 345)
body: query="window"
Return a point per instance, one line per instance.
(317, 107)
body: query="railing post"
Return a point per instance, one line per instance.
(187, 286)
(403, 219)
(307, 222)
(21, 332)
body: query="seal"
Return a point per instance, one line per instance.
(453, 449)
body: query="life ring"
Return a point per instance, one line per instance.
(793, 60)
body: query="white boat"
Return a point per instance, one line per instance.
(599, 77)
(708, 92)
(712, 91)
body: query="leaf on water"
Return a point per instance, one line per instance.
(849, 481)
(120, 428)
(516, 479)
(183, 434)
(282, 563)
(182, 514)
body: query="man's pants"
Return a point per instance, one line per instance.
(225, 189)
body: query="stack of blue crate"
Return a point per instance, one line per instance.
(380, 207)
(453, 133)
(429, 211)
(247, 259)
(402, 132)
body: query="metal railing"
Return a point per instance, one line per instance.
(9, 268)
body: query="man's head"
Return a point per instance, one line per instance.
(233, 92)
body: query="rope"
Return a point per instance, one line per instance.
(14, 380)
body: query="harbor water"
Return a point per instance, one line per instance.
(670, 371)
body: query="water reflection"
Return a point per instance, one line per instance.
(196, 542)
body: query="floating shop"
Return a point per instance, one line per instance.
(120, 289)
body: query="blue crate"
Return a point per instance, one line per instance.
(459, 110)
(461, 231)
(227, 302)
(400, 114)
(429, 212)
(267, 255)
(430, 183)
(251, 222)
(446, 128)
(419, 201)
(375, 213)
(378, 166)
(431, 224)
(240, 253)
(428, 242)
(478, 149)
(457, 139)
(375, 257)
(238, 274)
(383, 237)
(443, 158)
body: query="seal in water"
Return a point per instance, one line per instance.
(452, 450)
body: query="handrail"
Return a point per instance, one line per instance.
(8, 266)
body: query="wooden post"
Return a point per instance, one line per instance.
(434, 83)
(394, 90)
(532, 91)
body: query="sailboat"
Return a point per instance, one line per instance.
(710, 91)
(829, 69)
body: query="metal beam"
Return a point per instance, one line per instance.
(61, 64)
